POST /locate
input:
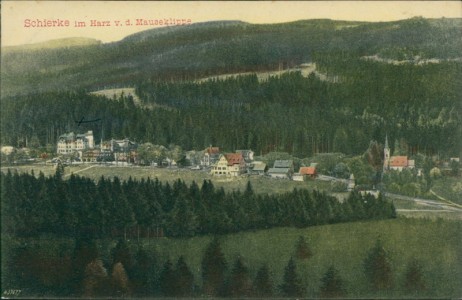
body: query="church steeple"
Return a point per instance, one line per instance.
(386, 154)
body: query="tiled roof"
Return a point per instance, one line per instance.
(243, 151)
(67, 136)
(398, 161)
(247, 154)
(283, 164)
(234, 158)
(307, 171)
(212, 150)
(278, 171)
(259, 167)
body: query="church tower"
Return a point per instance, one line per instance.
(386, 154)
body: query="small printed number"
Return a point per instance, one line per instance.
(11, 292)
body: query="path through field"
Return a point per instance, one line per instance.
(87, 168)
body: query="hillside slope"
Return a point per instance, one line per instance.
(434, 244)
(214, 48)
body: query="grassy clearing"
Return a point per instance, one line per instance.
(45, 169)
(449, 188)
(437, 244)
(404, 204)
(117, 93)
(305, 70)
(111, 93)
(431, 214)
(260, 184)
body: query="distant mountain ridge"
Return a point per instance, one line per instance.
(213, 48)
(53, 44)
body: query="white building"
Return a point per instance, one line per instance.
(397, 163)
(70, 142)
(7, 150)
(231, 164)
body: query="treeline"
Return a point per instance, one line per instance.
(304, 116)
(417, 105)
(207, 49)
(131, 270)
(32, 206)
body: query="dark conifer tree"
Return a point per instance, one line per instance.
(302, 249)
(78, 206)
(213, 269)
(166, 197)
(194, 194)
(236, 211)
(239, 283)
(207, 190)
(184, 279)
(263, 285)
(143, 273)
(142, 211)
(90, 214)
(182, 219)
(85, 252)
(252, 209)
(414, 281)
(300, 216)
(291, 285)
(11, 206)
(123, 216)
(377, 268)
(332, 284)
(248, 193)
(121, 253)
(167, 280)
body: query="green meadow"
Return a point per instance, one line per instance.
(449, 187)
(436, 244)
(260, 184)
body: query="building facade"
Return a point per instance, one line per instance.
(231, 164)
(397, 163)
(71, 143)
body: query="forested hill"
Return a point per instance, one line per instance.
(397, 78)
(418, 107)
(206, 49)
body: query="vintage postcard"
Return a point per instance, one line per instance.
(221, 149)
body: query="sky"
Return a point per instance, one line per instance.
(20, 19)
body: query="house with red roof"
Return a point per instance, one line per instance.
(304, 173)
(400, 162)
(397, 163)
(230, 164)
(308, 171)
(211, 156)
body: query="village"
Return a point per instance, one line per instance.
(81, 148)
(268, 151)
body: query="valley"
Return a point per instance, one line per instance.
(287, 160)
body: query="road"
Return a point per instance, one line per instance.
(432, 203)
(92, 166)
(436, 206)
